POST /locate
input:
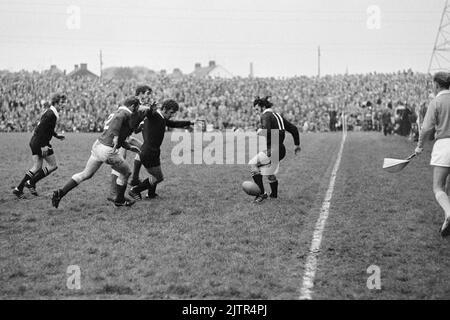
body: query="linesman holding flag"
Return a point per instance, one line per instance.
(437, 118)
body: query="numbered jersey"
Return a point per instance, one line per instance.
(118, 124)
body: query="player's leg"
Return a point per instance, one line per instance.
(137, 162)
(439, 178)
(37, 165)
(271, 170)
(136, 169)
(113, 187)
(273, 182)
(92, 165)
(50, 159)
(114, 175)
(152, 163)
(260, 160)
(121, 184)
(156, 177)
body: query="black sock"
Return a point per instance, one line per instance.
(27, 177)
(69, 186)
(259, 181)
(42, 173)
(274, 188)
(136, 169)
(152, 189)
(113, 184)
(142, 186)
(120, 193)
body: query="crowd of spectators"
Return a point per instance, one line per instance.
(312, 103)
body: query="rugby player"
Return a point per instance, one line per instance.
(144, 94)
(106, 150)
(267, 162)
(437, 119)
(41, 149)
(154, 128)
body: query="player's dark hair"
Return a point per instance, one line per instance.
(131, 102)
(58, 98)
(143, 89)
(263, 102)
(442, 79)
(170, 105)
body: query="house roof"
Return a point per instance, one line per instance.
(203, 71)
(82, 71)
(211, 70)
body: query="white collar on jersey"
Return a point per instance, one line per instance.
(55, 112)
(160, 113)
(125, 108)
(443, 92)
(268, 110)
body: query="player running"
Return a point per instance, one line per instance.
(41, 149)
(153, 133)
(437, 118)
(267, 162)
(105, 150)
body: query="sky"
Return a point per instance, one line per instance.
(280, 37)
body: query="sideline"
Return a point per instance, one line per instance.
(311, 260)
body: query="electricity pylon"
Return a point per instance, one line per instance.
(440, 58)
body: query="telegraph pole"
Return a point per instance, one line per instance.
(440, 58)
(318, 62)
(101, 65)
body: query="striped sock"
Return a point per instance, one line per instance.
(39, 175)
(29, 175)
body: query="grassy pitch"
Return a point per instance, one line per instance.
(205, 239)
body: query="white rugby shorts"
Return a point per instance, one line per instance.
(440, 156)
(105, 154)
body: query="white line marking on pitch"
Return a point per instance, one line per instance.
(311, 260)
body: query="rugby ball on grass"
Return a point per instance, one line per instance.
(251, 188)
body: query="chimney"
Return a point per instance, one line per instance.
(197, 66)
(76, 67)
(83, 66)
(212, 63)
(53, 67)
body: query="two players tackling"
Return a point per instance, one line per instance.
(266, 163)
(145, 95)
(105, 150)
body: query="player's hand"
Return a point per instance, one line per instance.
(134, 149)
(60, 137)
(44, 151)
(153, 106)
(418, 150)
(297, 150)
(115, 143)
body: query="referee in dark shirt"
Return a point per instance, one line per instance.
(153, 133)
(41, 149)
